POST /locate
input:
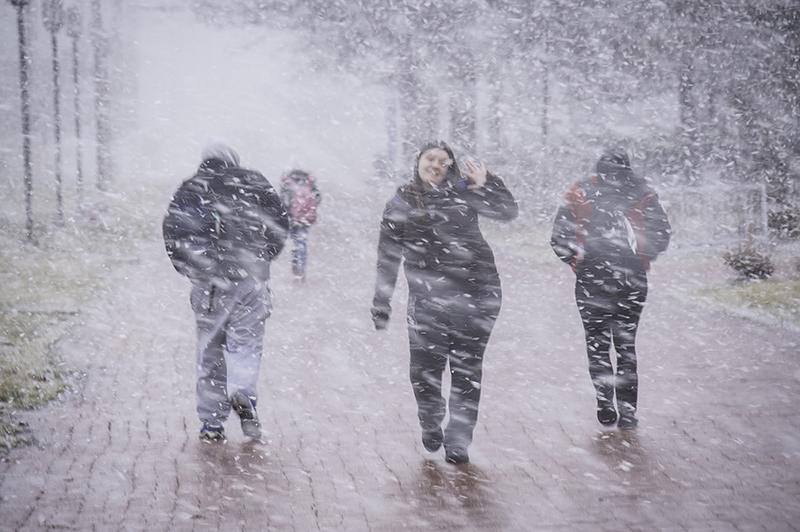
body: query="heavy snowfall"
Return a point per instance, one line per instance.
(107, 107)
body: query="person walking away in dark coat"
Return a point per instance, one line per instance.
(223, 227)
(431, 226)
(301, 196)
(609, 230)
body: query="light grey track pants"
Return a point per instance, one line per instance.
(230, 340)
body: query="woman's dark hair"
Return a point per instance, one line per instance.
(415, 188)
(453, 173)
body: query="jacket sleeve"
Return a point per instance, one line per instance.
(493, 200)
(390, 254)
(656, 229)
(565, 239)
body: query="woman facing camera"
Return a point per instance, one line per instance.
(431, 225)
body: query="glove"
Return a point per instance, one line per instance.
(380, 318)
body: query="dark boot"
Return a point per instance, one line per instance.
(606, 413)
(245, 407)
(456, 455)
(628, 420)
(432, 439)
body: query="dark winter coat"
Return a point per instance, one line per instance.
(436, 232)
(225, 223)
(615, 219)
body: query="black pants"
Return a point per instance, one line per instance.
(610, 301)
(454, 330)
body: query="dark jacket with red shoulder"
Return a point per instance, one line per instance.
(612, 220)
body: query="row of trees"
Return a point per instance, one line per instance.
(69, 21)
(542, 83)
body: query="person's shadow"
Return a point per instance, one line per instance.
(228, 471)
(455, 495)
(624, 454)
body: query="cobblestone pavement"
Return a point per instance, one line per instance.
(718, 447)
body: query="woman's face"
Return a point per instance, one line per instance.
(433, 166)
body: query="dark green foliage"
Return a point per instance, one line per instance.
(785, 222)
(749, 263)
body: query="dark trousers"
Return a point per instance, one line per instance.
(455, 331)
(610, 302)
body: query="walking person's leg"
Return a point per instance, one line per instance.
(625, 327)
(293, 237)
(428, 343)
(302, 251)
(245, 344)
(466, 372)
(212, 398)
(596, 320)
(298, 234)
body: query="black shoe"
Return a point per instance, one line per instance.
(606, 414)
(432, 439)
(456, 455)
(212, 433)
(246, 410)
(628, 422)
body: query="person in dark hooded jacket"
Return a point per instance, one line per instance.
(431, 226)
(222, 228)
(609, 230)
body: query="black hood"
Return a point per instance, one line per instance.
(217, 156)
(297, 175)
(614, 169)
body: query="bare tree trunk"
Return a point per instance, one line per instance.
(416, 106)
(688, 117)
(410, 137)
(77, 95)
(463, 102)
(57, 125)
(102, 87)
(690, 41)
(495, 119)
(545, 91)
(793, 82)
(392, 133)
(25, 110)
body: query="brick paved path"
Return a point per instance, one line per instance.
(718, 447)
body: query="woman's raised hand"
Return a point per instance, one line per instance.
(476, 173)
